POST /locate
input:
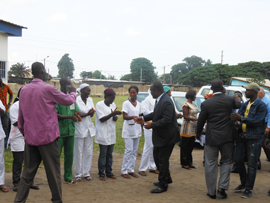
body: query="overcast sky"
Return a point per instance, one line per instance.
(107, 34)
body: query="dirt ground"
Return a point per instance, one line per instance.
(188, 185)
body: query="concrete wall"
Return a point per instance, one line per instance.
(97, 90)
(4, 51)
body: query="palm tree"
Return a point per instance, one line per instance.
(19, 70)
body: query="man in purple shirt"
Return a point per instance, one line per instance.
(38, 123)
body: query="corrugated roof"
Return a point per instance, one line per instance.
(12, 24)
(267, 82)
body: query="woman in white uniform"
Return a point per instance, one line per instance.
(131, 132)
(84, 132)
(106, 115)
(17, 143)
(2, 150)
(147, 161)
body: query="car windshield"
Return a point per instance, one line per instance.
(141, 96)
(180, 100)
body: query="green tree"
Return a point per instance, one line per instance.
(126, 77)
(177, 70)
(167, 78)
(19, 70)
(97, 75)
(195, 61)
(85, 74)
(65, 67)
(148, 73)
(111, 77)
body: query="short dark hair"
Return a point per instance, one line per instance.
(133, 87)
(191, 94)
(217, 85)
(109, 92)
(158, 87)
(37, 67)
(63, 80)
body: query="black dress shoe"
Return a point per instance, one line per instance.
(158, 190)
(168, 182)
(35, 187)
(221, 194)
(212, 196)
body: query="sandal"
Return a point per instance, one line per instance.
(134, 175)
(4, 189)
(102, 178)
(125, 176)
(192, 167)
(78, 179)
(153, 171)
(142, 173)
(88, 178)
(186, 167)
(71, 182)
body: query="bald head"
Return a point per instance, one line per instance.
(217, 85)
(261, 93)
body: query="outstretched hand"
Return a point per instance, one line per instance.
(116, 112)
(235, 116)
(138, 120)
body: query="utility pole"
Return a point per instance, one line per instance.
(100, 74)
(164, 76)
(221, 57)
(141, 76)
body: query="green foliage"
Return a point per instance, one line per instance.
(19, 70)
(148, 73)
(97, 75)
(167, 78)
(204, 75)
(126, 77)
(195, 61)
(177, 70)
(85, 74)
(65, 67)
(111, 77)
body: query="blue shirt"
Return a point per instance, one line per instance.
(266, 100)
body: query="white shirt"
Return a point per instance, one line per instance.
(148, 106)
(130, 128)
(15, 136)
(86, 127)
(2, 133)
(105, 131)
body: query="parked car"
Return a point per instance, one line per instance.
(179, 98)
(141, 96)
(229, 91)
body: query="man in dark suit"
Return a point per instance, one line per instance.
(165, 134)
(219, 138)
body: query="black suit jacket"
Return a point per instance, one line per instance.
(216, 111)
(165, 128)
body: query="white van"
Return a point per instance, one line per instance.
(229, 91)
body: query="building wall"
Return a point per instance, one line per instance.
(98, 90)
(4, 52)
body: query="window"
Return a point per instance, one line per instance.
(2, 69)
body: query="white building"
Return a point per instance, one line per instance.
(7, 29)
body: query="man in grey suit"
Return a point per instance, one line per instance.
(219, 138)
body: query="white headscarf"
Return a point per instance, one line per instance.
(78, 90)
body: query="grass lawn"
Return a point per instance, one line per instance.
(119, 146)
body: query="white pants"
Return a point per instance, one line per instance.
(2, 161)
(147, 160)
(83, 151)
(131, 146)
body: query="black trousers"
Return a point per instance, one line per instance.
(161, 157)
(187, 146)
(33, 155)
(17, 167)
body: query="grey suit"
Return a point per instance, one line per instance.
(219, 138)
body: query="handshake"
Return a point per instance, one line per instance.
(139, 120)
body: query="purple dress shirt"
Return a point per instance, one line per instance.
(37, 119)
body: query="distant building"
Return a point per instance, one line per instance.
(239, 81)
(7, 29)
